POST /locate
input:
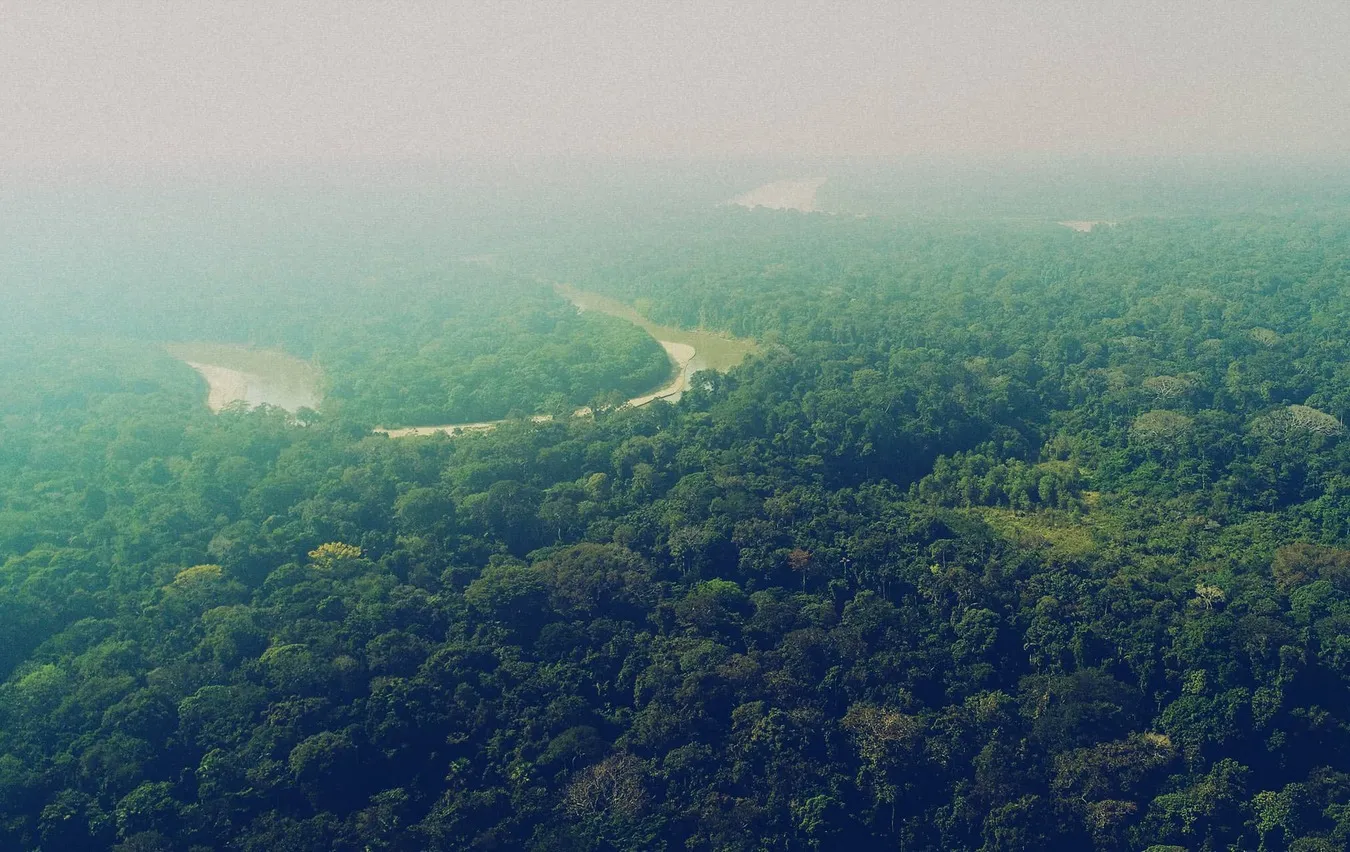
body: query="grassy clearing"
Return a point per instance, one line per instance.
(1051, 531)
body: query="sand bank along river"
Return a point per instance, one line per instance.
(252, 376)
(1085, 226)
(681, 356)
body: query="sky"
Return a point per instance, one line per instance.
(130, 82)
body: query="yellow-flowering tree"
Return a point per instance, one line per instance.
(333, 554)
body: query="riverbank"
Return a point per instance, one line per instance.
(236, 374)
(682, 358)
(713, 351)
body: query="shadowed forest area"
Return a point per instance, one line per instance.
(1006, 537)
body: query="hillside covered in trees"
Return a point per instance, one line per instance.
(1009, 538)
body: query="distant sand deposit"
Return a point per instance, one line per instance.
(252, 376)
(798, 194)
(1085, 225)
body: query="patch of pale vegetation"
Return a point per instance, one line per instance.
(1294, 421)
(334, 551)
(1168, 387)
(1264, 336)
(799, 194)
(982, 369)
(1049, 530)
(614, 787)
(879, 731)
(198, 574)
(1309, 419)
(1207, 597)
(1117, 379)
(1159, 427)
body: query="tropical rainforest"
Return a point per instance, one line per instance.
(1008, 537)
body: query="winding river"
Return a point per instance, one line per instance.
(237, 374)
(682, 357)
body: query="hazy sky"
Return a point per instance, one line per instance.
(116, 82)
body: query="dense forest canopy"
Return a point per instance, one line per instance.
(1009, 537)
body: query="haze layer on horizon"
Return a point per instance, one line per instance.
(249, 83)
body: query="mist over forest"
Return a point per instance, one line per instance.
(994, 505)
